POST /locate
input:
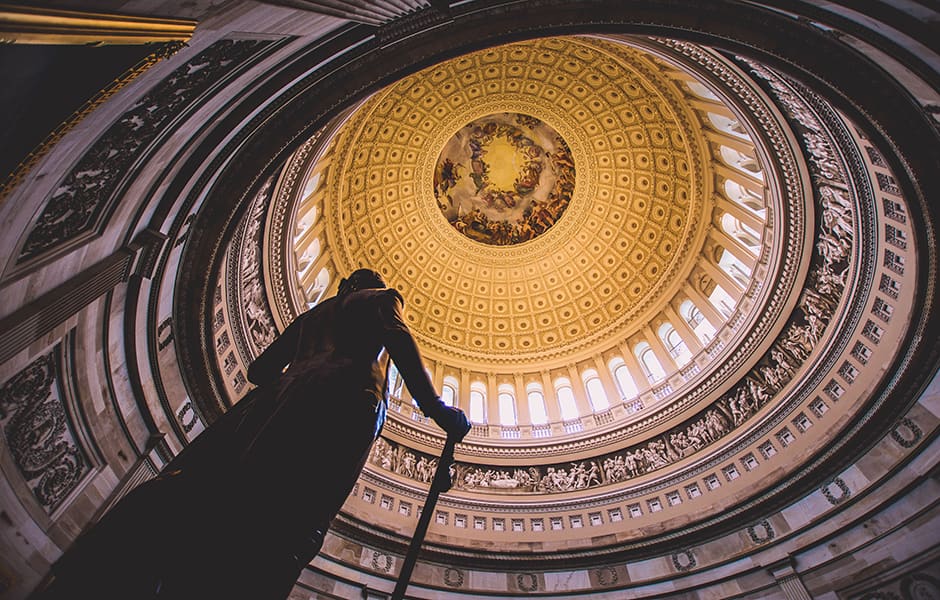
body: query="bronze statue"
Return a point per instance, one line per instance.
(244, 508)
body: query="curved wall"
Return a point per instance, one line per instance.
(109, 351)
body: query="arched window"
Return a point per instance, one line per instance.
(623, 378)
(395, 381)
(745, 197)
(742, 162)
(726, 125)
(732, 265)
(311, 185)
(703, 330)
(597, 395)
(651, 367)
(316, 291)
(309, 256)
(507, 405)
(741, 232)
(536, 399)
(449, 391)
(722, 301)
(674, 344)
(306, 221)
(701, 91)
(477, 402)
(566, 402)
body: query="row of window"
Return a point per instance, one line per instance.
(710, 482)
(564, 393)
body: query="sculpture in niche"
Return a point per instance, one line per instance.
(39, 435)
(81, 198)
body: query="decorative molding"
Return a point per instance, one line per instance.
(35, 25)
(39, 433)
(79, 204)
(684, 561)
(453, 577)
(845, 492)
(18, 175)
(767, 532)
(527, 582)
(906, 441)
(253, 325)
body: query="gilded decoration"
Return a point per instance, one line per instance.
(628, 236)
(504, 179)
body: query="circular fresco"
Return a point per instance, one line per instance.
(504, 179)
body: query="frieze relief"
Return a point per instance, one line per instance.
(255, 313)
(39, 435)
(80, 200)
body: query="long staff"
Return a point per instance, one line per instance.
(440, 483)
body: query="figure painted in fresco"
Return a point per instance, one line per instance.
(245, 507)
(504, 179)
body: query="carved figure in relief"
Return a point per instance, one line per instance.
(823, 157)
(793, 342)
(737, 414)
(245, 507)
(423, 473)
(757, 392)
(783, 364)
(407, 466)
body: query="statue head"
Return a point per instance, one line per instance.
(361, 279)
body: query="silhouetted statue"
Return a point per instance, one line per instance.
(244, 508)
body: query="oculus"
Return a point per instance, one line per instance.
(504, 179)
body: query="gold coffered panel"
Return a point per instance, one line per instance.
(627, 240)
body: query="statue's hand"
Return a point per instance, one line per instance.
(452, 420)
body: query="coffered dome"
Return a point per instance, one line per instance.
(629, 236)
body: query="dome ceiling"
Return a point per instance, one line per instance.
(633, 201)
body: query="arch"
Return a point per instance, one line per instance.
(674, 343)
(722, 301)
(728, 125)
(652, 368)
(477, 412)
(740, 231)
(734, 267)
(742, 162)
(318, 288)
(564, 393)
(538, 412)
(700, 90)
(449, 390)
(745, 197)
(623, 378)
(309, 256)
(701, 327)
(596, 393)
(506, 402)
(307, 220)
(395, 381)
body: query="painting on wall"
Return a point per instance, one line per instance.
(504, 179)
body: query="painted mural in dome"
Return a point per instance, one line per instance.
(504, 179)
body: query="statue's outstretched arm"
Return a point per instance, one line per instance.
(404, 351)
(268, 366)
